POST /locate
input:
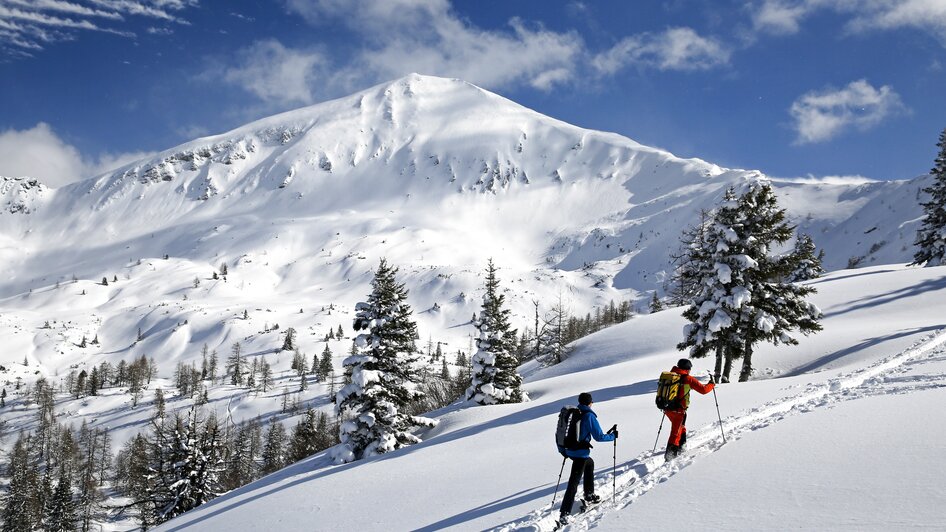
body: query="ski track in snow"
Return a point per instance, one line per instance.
(638, 476)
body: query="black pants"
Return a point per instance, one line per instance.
(580, 467)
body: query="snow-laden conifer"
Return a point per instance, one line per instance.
(495, 375)
(383, 374)
(744, 296)
(61, 514)
(22, 509)
(655, 304)
(777, 307)
(931, 236)
(686, 278)
(716, 270)
(804, 263)
(274, 450)
(191, 474)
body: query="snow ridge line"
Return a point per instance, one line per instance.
(648, 470)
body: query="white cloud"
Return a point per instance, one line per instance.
(780, 17)
(27, 26)
(784, 17)
(674, 49)
(397, 37)
(39, 153)
(277, 74)
(929, 15)
(403, 36)
(820, 116)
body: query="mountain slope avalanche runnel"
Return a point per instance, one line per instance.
(495, 467)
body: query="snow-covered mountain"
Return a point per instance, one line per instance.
(436, 175)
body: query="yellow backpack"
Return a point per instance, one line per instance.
(672, 391)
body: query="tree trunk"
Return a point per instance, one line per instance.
(746, 363)
(538, 340)
(719, 363)
(728, 368)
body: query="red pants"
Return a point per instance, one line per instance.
(677, 429)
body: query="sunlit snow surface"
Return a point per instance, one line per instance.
(835, 438)
(436, 175)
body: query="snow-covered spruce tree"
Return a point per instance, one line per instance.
(686, 280)
(931, 236)
(745, 298)
(274, 450)
(21, 509)
(777, 307)
(241, 467)
(304, 439)
(495, 376)
(61, 515)
(716, 264)
(190, 476)
(804, 263)
(383, 374)
(655, 304)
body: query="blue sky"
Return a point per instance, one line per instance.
(790, 87)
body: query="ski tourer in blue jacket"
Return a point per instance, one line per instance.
(588, 429)
(583, 466)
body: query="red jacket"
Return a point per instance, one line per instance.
(689, 382)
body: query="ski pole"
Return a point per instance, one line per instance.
(614, 467)
(662, 416)
(717, 410)
(559, 480)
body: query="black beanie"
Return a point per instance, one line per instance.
(584, 398)
(684, 363)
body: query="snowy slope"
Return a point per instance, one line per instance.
(806, 448)
(437, 175)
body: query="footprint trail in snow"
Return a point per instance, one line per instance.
(889, 375)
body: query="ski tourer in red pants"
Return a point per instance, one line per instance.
(678, 416)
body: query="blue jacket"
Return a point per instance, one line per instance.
(588, 428)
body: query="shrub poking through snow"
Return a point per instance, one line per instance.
(495, 376)
(384, 374)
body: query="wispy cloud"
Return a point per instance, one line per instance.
(277, 74)
(27, 26)
(779, 17)
(673, 49)
(820, 116)
(785, 17)
(401, 36)
(396, 37)
(40, 153)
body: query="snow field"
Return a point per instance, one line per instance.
(649, 470)
(495, 467)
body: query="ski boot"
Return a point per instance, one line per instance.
(589, 501)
